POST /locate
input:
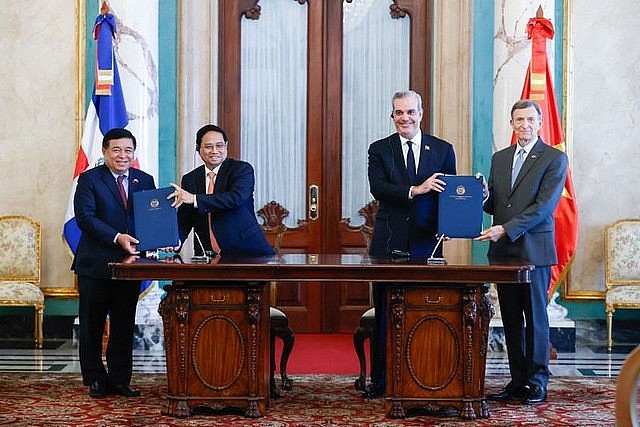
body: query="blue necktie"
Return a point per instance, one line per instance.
(517, 166)
(411, 165)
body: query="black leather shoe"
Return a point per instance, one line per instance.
(510, 392)
(373, 391)
(98, 390)
(125, 390)
(537, 394)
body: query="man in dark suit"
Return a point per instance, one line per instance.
(525, 185)
(104, 214)
(404, 171)
(216, 200)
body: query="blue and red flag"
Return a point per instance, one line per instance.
(107, 110)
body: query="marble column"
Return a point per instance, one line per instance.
(451, 98)
(512, 52)
(136, 50)
(197, 75)
(197, 81)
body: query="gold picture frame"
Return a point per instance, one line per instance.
(569, 292)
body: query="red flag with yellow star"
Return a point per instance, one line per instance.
(539, 87)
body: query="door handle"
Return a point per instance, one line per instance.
(313, 202)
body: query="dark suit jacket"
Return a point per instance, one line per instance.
(232, 211)
(400, 220)
(100, 215)
(526, 212)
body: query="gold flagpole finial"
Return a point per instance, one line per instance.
(539, 13)
(104, 9)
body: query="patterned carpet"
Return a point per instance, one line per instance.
(59, 399)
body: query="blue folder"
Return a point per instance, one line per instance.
(155, 220)
(460, 207)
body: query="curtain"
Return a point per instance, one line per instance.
(375, 66)
(274, 97)
(273, 104)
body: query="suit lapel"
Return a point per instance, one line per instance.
(531, 159)
(223, 176)
(398, 158)
(134, 182)
(199, 186)
(110, 182)
(425, 154)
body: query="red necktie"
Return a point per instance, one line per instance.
(214, 243)
(123, 194)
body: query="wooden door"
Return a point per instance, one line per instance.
(318, 307)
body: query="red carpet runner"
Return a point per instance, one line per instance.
(322, 354)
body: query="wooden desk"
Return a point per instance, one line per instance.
(216, 327)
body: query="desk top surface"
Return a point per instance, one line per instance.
(324, 267)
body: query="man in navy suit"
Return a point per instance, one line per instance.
(216, 200)
(525, 186)
(404, 171)
(104, 214)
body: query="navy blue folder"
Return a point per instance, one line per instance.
(460, 207)
(155, 220)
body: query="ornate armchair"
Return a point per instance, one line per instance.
(20, 267)
(367, 322)
(273, 213)
(622, 269)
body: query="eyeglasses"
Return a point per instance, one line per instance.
(219, 146)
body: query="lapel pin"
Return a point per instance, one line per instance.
(135, 180)
(426, 147)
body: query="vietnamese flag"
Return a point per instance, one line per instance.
(539, 87)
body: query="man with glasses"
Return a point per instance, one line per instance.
(216, 200)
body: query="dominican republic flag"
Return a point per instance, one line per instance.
(538, 87)
(106, 111)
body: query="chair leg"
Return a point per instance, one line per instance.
(609, 311)
(37, 333)
(273, 389)
(288, 339)
(359, 336)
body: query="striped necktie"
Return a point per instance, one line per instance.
(123, 194)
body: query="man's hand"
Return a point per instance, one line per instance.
(492, 234)
(431, 184)
(128, 243)
(181, 196)
(485, 186)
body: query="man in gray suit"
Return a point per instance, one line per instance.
(525, 185)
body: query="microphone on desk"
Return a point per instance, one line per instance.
(206, 255)
(436, 261)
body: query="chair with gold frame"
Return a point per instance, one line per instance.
(622, 269)
(20, 267)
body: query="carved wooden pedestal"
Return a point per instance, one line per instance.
(216, 326)
(216, 342)
(436, 349)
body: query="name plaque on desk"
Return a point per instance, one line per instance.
(460, 207)
(155, 220)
